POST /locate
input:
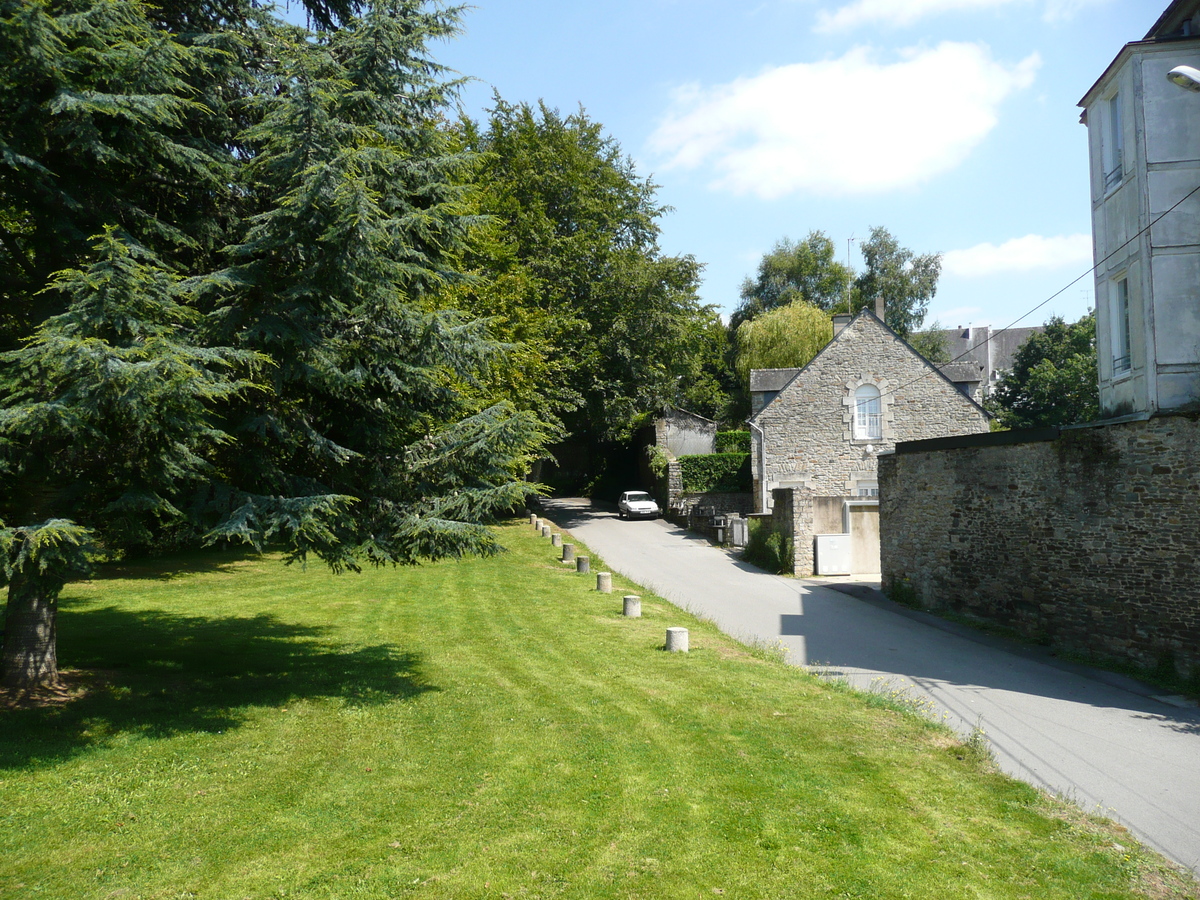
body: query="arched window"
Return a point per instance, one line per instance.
(868, 423)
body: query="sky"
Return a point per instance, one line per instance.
(952, 123)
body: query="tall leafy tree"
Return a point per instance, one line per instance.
(581, 227)
(806, 270)
(1053, 379)
(786, 337)
(905, 281)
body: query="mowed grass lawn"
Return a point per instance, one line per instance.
(491, 728)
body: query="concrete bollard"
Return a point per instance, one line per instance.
(633, 606)
(568, 554)
(583, 565)
(545, 531)
(533, 518)
(604, 582)
(677, 640)
(556, 540)
(537, 524)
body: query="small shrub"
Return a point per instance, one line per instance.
(729, 472)
(767, 549)
(733, 442)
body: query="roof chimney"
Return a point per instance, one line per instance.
(840, 321)
(879, 310)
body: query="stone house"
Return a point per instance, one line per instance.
(1144, 151)
(821, 428)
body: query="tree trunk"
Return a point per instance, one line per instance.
(30, 656)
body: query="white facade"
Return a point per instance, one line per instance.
(1144, 147)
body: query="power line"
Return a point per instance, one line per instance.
(1056, 294)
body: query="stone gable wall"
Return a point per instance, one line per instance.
(808, 427)
(1090, 541)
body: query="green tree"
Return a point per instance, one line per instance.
(806, 270)
(120, 411)
(101, 124)
(932, 343)
(786, 337)
(106, 428)
(581, 228)
(1053, 380)
(363, 431)
(906, 282)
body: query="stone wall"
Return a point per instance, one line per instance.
(715, 503)
(674, 483)
(1087, 539)
(792, 517)
(808, 428)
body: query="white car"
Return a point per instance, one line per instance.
(637, 505)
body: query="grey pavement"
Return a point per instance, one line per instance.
(1098, 739)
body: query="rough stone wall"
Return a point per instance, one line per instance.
(674, 483)
(792, 517)
(808, 428)
(1089, 541)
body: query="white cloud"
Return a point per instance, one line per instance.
(1021, 254)
(895, 12)
(851, 125)
(901, 13)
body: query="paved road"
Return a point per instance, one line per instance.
(1099, 739)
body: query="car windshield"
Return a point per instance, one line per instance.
(637, 497)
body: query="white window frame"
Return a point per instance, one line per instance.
(1118, 327)
(868, 413)
(1113, 143)
(866, 490)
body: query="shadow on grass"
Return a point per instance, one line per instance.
(176, 565)
(156, 674)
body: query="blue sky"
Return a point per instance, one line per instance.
(953, 123)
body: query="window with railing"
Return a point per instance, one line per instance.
(868, 420)
(1119, 327)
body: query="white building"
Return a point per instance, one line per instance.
(1144, 146)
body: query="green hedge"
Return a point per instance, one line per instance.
(728, 472)
(733, 442)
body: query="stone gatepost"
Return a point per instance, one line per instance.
(792, 517)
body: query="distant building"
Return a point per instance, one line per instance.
(1144, 149)
(981, 355)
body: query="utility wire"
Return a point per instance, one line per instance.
(1057, 293)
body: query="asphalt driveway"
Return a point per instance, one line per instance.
(1102, 740)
